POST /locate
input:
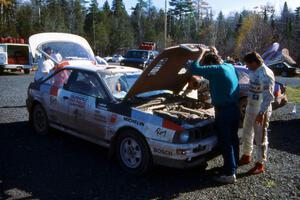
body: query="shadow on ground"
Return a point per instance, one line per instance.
(8, 73)
(59, 166)
(284, 136)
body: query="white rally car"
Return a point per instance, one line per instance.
(141, 116)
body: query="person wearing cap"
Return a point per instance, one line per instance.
(258, 112)
(224, 88)
(45, 65)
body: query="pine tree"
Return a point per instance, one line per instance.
(8, 9)
(118, 8)
(121, 35)
(106, 8)
(285, 13)
(181, 11)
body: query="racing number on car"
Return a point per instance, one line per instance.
(160, 132)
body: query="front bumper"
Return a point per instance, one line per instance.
(138, 65)
(185, 164)
(183, 155)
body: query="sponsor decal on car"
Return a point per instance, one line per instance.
(54, 90)
(77, 101)
(162, 151)
(53, 100)
(161, 132)
(101, 106)
(134, 121)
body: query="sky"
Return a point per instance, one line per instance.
(226, 6)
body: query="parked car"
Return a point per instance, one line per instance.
(138, 58)
(139, 116)
(284, 69)
(117, 58)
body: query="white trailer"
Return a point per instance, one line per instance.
(15, 56)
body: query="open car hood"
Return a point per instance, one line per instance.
(167, 71)
(37, 40)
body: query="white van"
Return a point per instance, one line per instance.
(15, 56)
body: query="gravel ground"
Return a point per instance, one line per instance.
(59, 166)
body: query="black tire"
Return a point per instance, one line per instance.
(140, 146)
(243, 105)
(1, 71)
(40, 120)
(26, 71)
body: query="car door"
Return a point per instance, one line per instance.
(52, 94)
(84, 91)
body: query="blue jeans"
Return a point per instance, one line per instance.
(227, 126)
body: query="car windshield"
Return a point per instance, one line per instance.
(67, 51)
(119, 84)
(137, 54)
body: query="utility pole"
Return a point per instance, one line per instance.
(94, 32)
(166, 21)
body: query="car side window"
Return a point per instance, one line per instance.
(85, 83)
(59, 79)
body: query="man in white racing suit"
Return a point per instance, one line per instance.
(258, 112)
(45, 65)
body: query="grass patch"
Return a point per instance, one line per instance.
(293, 94)
(270, 184)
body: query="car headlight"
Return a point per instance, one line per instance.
(184, 137)
(141, 65)
(181, 137)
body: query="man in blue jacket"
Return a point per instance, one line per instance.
(224, 90)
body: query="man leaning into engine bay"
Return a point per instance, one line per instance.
(223, 83)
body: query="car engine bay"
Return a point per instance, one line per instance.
(178, 109)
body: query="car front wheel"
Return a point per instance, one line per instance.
(133, 153)
(40, 120)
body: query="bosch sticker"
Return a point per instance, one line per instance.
(162, 151)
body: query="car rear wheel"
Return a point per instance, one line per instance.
(133, 152)
(40, 120)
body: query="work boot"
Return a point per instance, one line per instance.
(257, 169)
(244, 160)
(225, 179)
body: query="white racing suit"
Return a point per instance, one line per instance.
(260, 100)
